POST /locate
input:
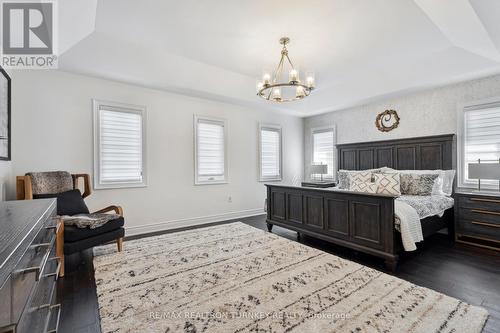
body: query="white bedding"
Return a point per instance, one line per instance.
(410, 209)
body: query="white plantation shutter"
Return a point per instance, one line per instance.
(119, 147)
(270, 153)
(210, 150)
(323, 149)
(481, 137)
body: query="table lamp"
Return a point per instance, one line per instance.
(319, 169)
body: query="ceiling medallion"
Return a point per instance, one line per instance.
(273, 87)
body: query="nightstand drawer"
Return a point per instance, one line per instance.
(481, 203)
(479, 215)
(479, 229)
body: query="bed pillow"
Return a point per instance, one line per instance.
(443, 184)
(388, 183)
(343, 180)
(343, 177)
(417, 184)
(448, 178)
(360, 177)
(365, 187)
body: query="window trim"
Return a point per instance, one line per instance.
(120, 107)
(197, 181)
(461, 110)
(321, 129)
(277, 128)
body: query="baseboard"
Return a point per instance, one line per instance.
(181, 223)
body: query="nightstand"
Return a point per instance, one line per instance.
(318, 184)
(477, 218)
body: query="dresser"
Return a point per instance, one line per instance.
(29, 266)
(477, 218)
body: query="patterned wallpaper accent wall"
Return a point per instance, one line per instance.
(429, 112)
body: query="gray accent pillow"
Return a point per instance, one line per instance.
(417, 184)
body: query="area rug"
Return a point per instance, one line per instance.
(236, 278)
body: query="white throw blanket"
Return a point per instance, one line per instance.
(409, 224)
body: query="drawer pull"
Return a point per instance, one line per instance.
(55, 227)
(37, 246)
(58, 268)
(49, 316)
(39, 268)
(485, 212)
(486, 224)
(485, 200)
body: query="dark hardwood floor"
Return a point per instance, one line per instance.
(467, 273)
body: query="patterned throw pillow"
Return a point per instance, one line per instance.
(365, 187)
(388, 183)
(343, 177)
(360, 177)
(343, 180)
(417, 184)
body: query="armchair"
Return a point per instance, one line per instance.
(62, 185)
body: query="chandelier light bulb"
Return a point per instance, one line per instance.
(293, 76)
(310, 80)
(277, 94)
(266, 78)
(300, 92)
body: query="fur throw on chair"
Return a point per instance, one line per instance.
(51, 182)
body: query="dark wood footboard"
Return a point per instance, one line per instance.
(360, 221)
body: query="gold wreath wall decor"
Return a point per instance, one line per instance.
(387, 121)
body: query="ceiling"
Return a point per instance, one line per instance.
(360, 50)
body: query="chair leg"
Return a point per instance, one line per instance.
(119, 243)
(60, 247)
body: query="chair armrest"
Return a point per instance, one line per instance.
(117, 209)
(86, 183)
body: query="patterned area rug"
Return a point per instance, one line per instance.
(236, 278)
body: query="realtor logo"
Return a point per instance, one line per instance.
(28, 34)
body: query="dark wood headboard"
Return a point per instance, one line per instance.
(423, 153)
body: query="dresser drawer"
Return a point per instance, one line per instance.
(475, 228)
(42, 314)
(44, 319)
(31, 269)
(483, 203)
(479, 215)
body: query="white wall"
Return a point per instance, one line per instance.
(5, 176)
(52, 130)
(429, 112)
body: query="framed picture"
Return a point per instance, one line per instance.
(4, 115)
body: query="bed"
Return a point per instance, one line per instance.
(363, 221)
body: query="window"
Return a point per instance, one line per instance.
(270, 152)
(210, 150)
(119, 145)
(323, 149)
(480, 139)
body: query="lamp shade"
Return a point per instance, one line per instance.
(319, 169)
(484, 171)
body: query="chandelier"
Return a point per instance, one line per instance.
(275, 87)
